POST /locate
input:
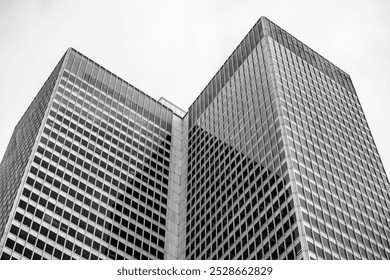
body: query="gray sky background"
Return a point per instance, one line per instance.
(173, 48)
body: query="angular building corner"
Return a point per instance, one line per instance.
(273, 160)
(97, 174)
(19, 150)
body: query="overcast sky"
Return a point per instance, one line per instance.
(173, 48)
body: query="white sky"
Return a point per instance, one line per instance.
(173, 48)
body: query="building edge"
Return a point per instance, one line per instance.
(59, 68)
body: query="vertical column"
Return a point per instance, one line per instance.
(176, 206)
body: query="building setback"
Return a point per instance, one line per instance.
(273, 160)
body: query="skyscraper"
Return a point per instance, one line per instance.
(273, 160)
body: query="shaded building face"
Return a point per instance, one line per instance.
(274, 160)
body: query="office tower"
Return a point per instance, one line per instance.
(281, 163)
(273, 160)
(91, 159)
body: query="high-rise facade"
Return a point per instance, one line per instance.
(273, 160)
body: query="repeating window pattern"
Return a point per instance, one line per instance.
(19, 148)
(274, 159)
(239, 201)
(343, 189)
(97, 186)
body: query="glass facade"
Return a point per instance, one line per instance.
(22, 140)
(96, 184)
(239, 201)
(342, 186)
(273, 160)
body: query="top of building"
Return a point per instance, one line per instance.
(176, 110)
(109, 84)
(262, 28)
